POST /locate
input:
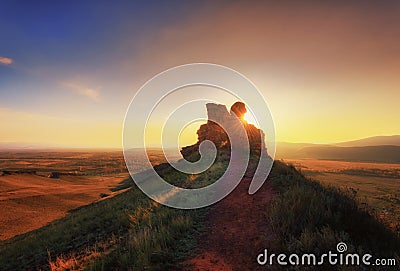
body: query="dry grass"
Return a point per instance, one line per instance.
(76, 261)
(376, 186)
(62, 263)
(29, 200)
(312, 218)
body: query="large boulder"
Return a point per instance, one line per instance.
(239, 109)
(218, 115)
(217, 112)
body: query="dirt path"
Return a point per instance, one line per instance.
(236, 232)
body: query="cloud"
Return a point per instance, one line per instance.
(91, 93)
(6, 60)
(304, 38)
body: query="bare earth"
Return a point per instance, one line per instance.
(29, 201)
(236, 232)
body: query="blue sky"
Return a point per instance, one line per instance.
(52, 42)
(73, 66)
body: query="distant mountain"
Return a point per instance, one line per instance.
(381, 154)
(4, 146)
(383, 149)
(393, 140)
(292, 150)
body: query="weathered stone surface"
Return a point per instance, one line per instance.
(212, 131)
(217, 113)
(239, 109)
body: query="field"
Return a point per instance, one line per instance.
(376, 186)
(125, 232)
(90, 216)
(29, 199)
(131, 232)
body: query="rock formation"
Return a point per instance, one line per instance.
(212, 131)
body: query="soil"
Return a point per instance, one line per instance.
(29, 201)
(237, 231)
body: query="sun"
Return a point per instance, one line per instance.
(249, 118)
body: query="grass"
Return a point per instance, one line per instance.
(309, 218)
(380, 196)
(376, 186)
(125, 232)
(131, 232)
(155, 240)
(160, 237)
(82, 229)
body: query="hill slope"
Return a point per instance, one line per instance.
(383, 154)
(383, 149)
(131, 232)
(393, 140)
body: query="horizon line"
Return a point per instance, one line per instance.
(38, 146)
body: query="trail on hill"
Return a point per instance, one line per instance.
(236, 232)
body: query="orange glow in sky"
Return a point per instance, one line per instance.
(329, 71)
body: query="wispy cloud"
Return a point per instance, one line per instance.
(6, 60)
(91, 93)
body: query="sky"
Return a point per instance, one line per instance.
(68, 70)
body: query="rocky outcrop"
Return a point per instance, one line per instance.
(212, 130)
